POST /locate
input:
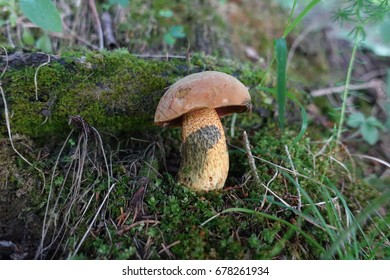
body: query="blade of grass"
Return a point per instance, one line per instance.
(267, 70)
(310, 201)
(315, 211)
(274, 218)
(299, 18)
(333, 217)
(338, 244)
(304, 124)
(350, 218)
(267, 216)
(305, 121)
(290, 27)
(379, 238)
(290, 17)
(281, 243)
(281, 61)
(346, 91)
(309, 218)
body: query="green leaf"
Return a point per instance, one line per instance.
(44, 44)
(169, 39)
(281, 60)
(370, 133)
(27, 37)
(43, 13)
(165, 13)
(372, 121)
(356, 119)
(177, 31)
(123, 3)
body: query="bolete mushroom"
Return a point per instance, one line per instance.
(196, 103)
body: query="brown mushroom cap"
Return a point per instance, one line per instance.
(209, 89)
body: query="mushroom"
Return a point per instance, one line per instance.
(196, 103)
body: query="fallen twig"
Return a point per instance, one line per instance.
(108, 31)
(254, 170)
(126, 228)
(376, 84)
(251, 160)
(166, 248)
(99, 29)
(295, 176)
(36, 76)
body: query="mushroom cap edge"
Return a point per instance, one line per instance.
(209, 89)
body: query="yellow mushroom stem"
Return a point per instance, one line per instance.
(205, 159)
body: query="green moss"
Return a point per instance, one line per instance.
(112, 94)
(113, 91)
(191, 225)
(117, 94)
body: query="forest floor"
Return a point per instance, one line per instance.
(84, 173)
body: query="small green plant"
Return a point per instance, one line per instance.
(368, 127)
(281, 58)
(281, 69)
(360, 13)
(43, 13)
(174, 32)
(9, 8)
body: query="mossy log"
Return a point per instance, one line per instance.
(113, 91)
